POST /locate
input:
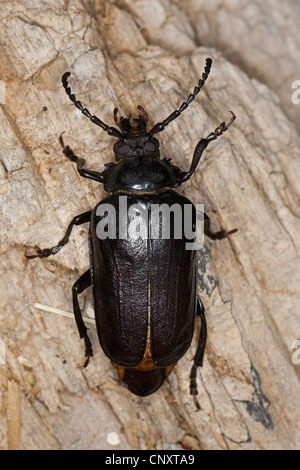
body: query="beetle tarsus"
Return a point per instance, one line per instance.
(68, 152)
(33, 256)
(221, 129)
(88, 351)
(198, 407)
(183, 176)
(216, 235)
(193, 387)
(44, 253)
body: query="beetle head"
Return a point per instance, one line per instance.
(135, 140)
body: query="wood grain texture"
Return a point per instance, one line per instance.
(125, 53)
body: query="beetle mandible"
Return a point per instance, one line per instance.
(145, 293)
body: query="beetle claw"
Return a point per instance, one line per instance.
(37, 253)
(30, 256)
(86, 363)
(231, 232)
(198, 407)
(88, 351)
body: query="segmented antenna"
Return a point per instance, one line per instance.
(110, 130)
(161, 125)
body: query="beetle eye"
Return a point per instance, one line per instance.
(123, 149)
(150, 146)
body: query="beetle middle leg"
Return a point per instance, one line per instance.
(77, 220)
(79, 286)
(198, 358)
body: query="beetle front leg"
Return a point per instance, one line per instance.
(79, 286)
(201, 146)
(78, 220)
(198, 358)
(68, 152)
(216, 235)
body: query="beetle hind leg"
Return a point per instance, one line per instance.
(79, 286)
(198, 358)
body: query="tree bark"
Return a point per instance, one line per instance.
(127, 53)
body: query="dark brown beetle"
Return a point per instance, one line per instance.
(145, 291)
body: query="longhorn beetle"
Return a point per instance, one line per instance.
(144, 290)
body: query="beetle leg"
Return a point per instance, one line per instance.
(68, 152)
(198, 358)
(79, 286)
(78, 220)
(215, 235)
(201, 146)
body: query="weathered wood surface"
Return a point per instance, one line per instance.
(151, 53)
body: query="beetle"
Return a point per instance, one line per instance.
(144, 291)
